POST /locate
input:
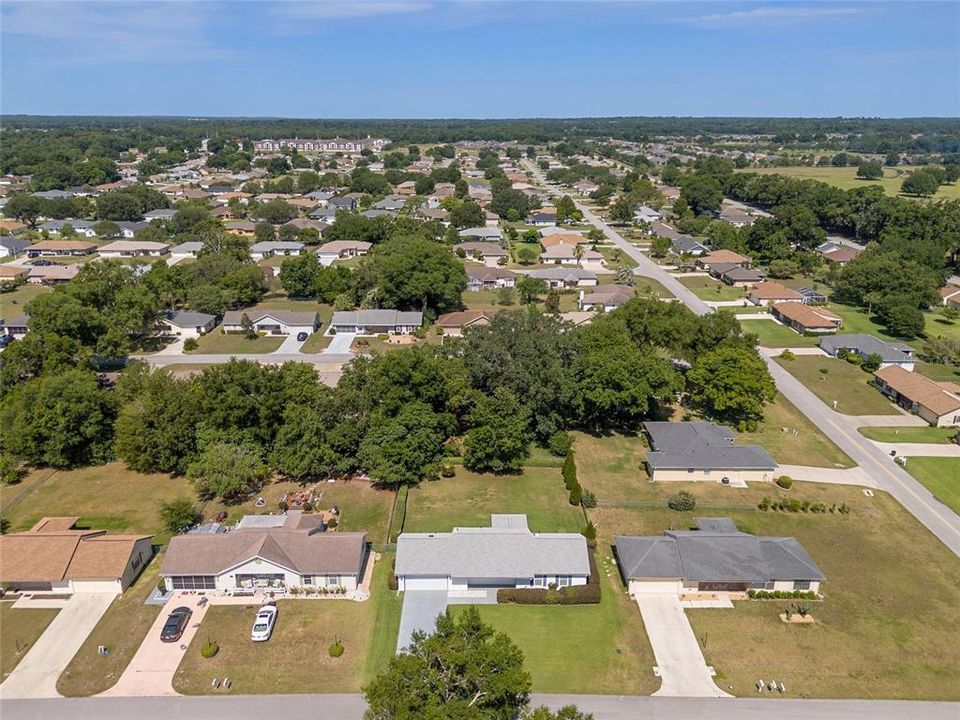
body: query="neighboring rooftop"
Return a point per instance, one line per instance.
(701, 446)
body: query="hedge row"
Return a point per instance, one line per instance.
(570, 480)
(781, 594)
(588, 594)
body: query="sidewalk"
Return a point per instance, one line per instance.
(921, 449)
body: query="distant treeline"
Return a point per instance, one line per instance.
(866, 134)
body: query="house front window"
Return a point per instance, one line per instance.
(540, 581)
(193, 582)
(801, 584)
(563, 581)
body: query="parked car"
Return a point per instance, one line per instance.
(263, 623)
(41, 263)
(301, 336)
(5, 340)
(175, 625)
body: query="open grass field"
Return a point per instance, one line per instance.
(887, 626)
(468, 499)
(615, 258)
(845, 178)
(600, 649)
(909, 434)
(649, 287)
(122, 629)
(295, 659)
(19, 630)
(706, 288)
(13, 303)
(611, 466)
(939, 372)
(843, 383)
(218, 342)
(941, 476)
(772, 334)
(808, 446)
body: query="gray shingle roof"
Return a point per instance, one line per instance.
(701, 446)
(506, 550)
(715, 556)
(182, 318)
(562, 274)
(377, 317)
(866, 345)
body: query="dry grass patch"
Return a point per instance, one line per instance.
(611, 466)
(832, 380)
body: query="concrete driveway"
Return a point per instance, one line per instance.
(150, 672)
(340, 344)
(36, 675)
(683, 670)
(420, 610)
(289, 345)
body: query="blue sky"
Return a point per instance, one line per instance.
(423, 58)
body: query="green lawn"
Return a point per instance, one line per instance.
(887, 627)
(468, 499)
(122, 629)
(316, 343)
(386, 606)
(13, 303)
(611, 466)
(706, 288)
(940, 475)
(595, 649)
(217, 342)
(808, 446)
(774, 335)
(615, 257)
(909, 434)
(845, 178)
(649, 286)
(939, 372)
(19, 630)
(834, 380)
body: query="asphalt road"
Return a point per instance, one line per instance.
(889, 476)
(351, 707)
(263, 358)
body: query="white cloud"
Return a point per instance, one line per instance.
(335, 10)
(765, 16)
(103, 32)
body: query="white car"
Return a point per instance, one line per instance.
(263, 624)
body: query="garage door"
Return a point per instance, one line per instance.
(425, 583)
(654, 587)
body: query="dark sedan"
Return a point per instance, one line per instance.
(175, 625)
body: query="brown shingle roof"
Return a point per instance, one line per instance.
(940, 399)
(769, 290)
(723, 256)
(807, 316)
(459, 319)
(62, 245)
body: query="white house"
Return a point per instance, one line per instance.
(702, 451)
(82, 228)
(132, 248)
(54, 556)
(647, 215)
(185, 250)
(338, 249)
(375, 322)
(269, 248)
(489, 278)
(187, 324)
(482, 234)
(12, 246)
(505, 555)
(716, 557)
(275, 552)
(272, 322)
(565, 277)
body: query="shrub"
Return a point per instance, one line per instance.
(764, 504)
(588, 594)
(332, 522)
(162, 585)
(209, 649)
(576, 496)
(190, 344)
(569, 472)
(854, 358)
(785, 481)
(844, 509)
(560, 443)
(588, 499)
(682, 501)
(788, 355)
(336, 650)
(590, 531)
(447, 471)
(782, 595)
(308, 506)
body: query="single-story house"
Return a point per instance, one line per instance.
(665, 231)
(342, 203)
(52, 274)
(54, 556)
(647, 214)
(484, 234)
(585, 187)
(541, 219)
(806, 319)
(563, 254)
(768, 292)
(865, 345)
(482, 250)
(578, 317)
(275, 552)
(608, 297)
(563, 238)
(133, 248)
(735, 216)
(455, 323)
(374, 322)
(735, 275)
(686, 245)
(80, 227)
(505, 555)
(243, 228)
(272, 322)
(47, 248)
(565, 277)
(950, 296)
(185, 250)
(689, 451)
(841, 256)
(131, 229)
(489, 278)
(723, 256)
(16, 326)
(12, 275)
(376, 213)
(391, 202)
(716, 557)
(936, 402)
(187, 324)
(269, 248)
(12, 246)
(328, 252)
(161, 214)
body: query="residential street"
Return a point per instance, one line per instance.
(262, 358)
(919, 501)
(351, 707)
